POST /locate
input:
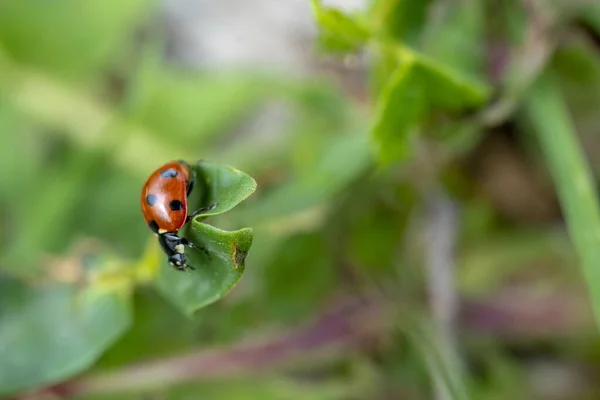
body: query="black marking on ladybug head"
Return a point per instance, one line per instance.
(169, 173)
(151, 199)
(154, 226)
(175, 205)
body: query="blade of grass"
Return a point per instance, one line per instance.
(572, 177)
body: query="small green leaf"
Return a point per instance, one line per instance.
(219, 258)
(401, 106)
(49, 333)
(416, 88)
(339, 29)
(216, 271)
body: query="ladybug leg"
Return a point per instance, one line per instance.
(205, 252)
(193, 246)
(188, 243)
(200, 211)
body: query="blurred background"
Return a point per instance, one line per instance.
(449, 275)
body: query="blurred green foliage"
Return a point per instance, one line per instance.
(319, 286)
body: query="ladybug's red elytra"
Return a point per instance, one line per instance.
(165, 206)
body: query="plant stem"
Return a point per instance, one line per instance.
(330, 336)
(443, 298)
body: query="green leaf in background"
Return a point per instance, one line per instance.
(401, 105)
(416, 88)
(339, 30)
(49, 332)
(219, 260)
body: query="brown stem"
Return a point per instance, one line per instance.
(330, 335)
(527, 63)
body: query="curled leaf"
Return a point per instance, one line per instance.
(219, 256)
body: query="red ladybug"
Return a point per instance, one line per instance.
(164, 205)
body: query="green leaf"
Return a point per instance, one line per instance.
(219, 260)
(216, 273)
(338, 29)
(224, 185)
(572, 176)
(48, 333)
(401, 106)
(415, 89)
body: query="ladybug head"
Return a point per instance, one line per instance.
(177, 260)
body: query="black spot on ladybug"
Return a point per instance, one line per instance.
(175, 205)
(169, 173)
(151, 199)
(154, 226)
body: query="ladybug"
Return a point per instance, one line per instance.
(165, 206)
